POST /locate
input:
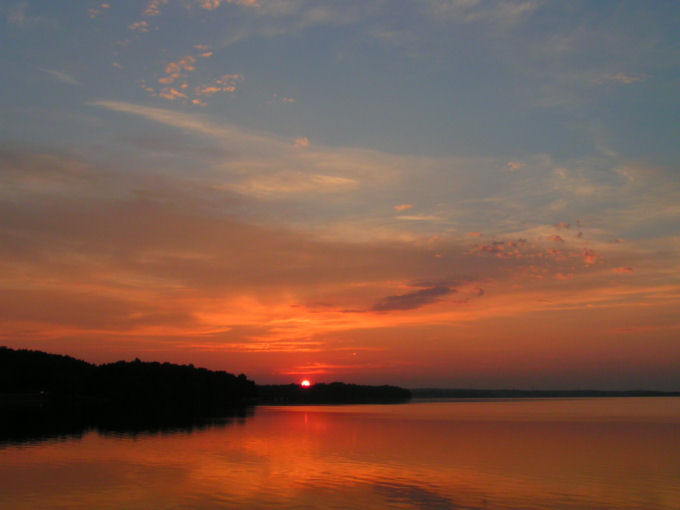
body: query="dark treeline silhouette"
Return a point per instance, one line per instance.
(477, 393)
(332, 393)
(45, 396)
(37, 379)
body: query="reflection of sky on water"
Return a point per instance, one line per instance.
(411, 456)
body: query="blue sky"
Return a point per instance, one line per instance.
(431, 77)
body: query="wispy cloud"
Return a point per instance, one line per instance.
(485, 200)
(412, 300)
(296, 183)
(349, 163)
(61, 77)
(318, 368)
(502, 13)
(197, 124)
(623, 270)
(18, 16)
(211, 5)
(96, 11)
(623, 78)
(418, 217)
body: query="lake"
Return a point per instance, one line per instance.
(597, 453)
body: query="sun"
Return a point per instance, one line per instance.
(305, 383)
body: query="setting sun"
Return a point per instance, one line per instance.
(305, 383)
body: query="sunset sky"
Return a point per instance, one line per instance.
(452, 193)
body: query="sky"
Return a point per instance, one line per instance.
(447, 193)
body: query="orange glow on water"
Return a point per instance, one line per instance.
(507, 453)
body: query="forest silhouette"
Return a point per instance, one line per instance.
(47, 394)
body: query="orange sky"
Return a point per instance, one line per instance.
(104, 275)
(432, 194)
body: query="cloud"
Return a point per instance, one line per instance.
(501, 14)
(71, 307)
(623, 78)
(309, 199)
(139, 26)
(226, 83)
(205, 50)
(403, 207)
(493, 247)
(94, 12)
(590, 256)
(171, 94)
(153, 8)
(422, 217)
(263, 163)
(17, 16)
(301, 142)
(174, 70)
(207, 90)
(484, 200)
(182, 270)
(515, 165)
(180, 120)
(412, 300)
(61, 76)
(296, 182)
(211, 5)
(318, 368)
(284, 17)
(623, 270)
(177, 72)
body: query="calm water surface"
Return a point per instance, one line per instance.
(621, 453)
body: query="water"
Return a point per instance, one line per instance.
(621, 453)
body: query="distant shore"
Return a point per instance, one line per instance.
(471, 393)
(64, 385)
(45, 395)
